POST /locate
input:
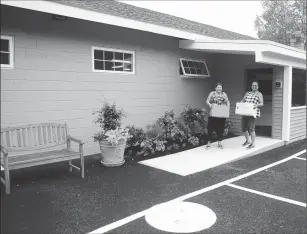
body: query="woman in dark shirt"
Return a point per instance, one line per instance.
(220, 98)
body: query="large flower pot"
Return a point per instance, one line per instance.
(112, 155)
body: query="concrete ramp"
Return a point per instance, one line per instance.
(199, 159)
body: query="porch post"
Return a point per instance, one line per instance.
(287, 102)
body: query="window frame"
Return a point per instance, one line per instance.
(11, 51)
(113, 50)
(298, 106)
(193, 75)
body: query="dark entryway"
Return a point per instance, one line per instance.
(264, 77)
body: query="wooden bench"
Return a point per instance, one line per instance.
(37, 144)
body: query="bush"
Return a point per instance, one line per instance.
(170, 127)
(110, 121)
(195, 119)
(137, 136)
(169, 135)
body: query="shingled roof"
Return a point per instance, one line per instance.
(127, 11)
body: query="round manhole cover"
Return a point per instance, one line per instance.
(180, 217)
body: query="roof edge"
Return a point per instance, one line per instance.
(84, 14)
(248, 42)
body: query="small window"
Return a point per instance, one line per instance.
(193, 68)
(298, 87)
(113, 61)
(6, 52)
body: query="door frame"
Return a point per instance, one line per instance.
(267, 70)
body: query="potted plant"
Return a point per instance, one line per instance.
(112, 137)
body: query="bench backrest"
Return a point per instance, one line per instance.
(34, 136)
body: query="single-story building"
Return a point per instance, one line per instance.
(59, 57)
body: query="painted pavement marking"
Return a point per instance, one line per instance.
(300, 158)
(183, 217)
(133, 217)
(268, 195)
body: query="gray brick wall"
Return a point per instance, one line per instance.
(53, 80)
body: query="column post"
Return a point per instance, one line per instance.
(287, 102)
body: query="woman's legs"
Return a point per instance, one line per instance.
(210, 127)
(246, 130)
(252, 124)
(220, 130)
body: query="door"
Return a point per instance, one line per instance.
(264, 77)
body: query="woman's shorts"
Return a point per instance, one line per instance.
(249, 123)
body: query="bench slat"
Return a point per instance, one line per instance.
(41, 156)
(29, 135)
(33, 136)
(30, 160)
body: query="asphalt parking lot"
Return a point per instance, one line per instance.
(272, 200)
(47, 199)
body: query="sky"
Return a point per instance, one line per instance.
(236, 16)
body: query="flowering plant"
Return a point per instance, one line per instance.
(114, 136)
(194, 119)
(193, 140)
(170, 127)
(110, 120)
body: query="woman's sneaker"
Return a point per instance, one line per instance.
(246, 143)
(250, 146)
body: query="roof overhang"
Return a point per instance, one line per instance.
(78, 13)
(267, 52)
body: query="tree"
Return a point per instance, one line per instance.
(281, 19)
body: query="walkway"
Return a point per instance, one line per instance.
(199, 159)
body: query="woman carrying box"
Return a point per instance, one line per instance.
(217, 97)
(249, 122)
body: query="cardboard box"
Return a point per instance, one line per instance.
(219, 111)
(246, 109)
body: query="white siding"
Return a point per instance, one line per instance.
(298, 124)
(277, 104)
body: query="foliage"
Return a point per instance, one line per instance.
(137, 136)
(281, 19)
(150, 146)
(116, 135)
(170, 127)
(194, 119)
(169, 135)
(110, 121)
(193, 140)
(154, 131)
(228, 125)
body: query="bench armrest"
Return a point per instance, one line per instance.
(3, 150)
(70, 138)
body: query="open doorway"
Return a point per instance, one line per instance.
(264, 77)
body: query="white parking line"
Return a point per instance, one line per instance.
(268, 195)
(300, 158)
(133, 217)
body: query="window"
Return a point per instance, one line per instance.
(298, 87)
(193, 68)
(113, 61)
(6, 52)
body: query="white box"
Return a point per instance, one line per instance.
(246, 109)
(219, 111)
